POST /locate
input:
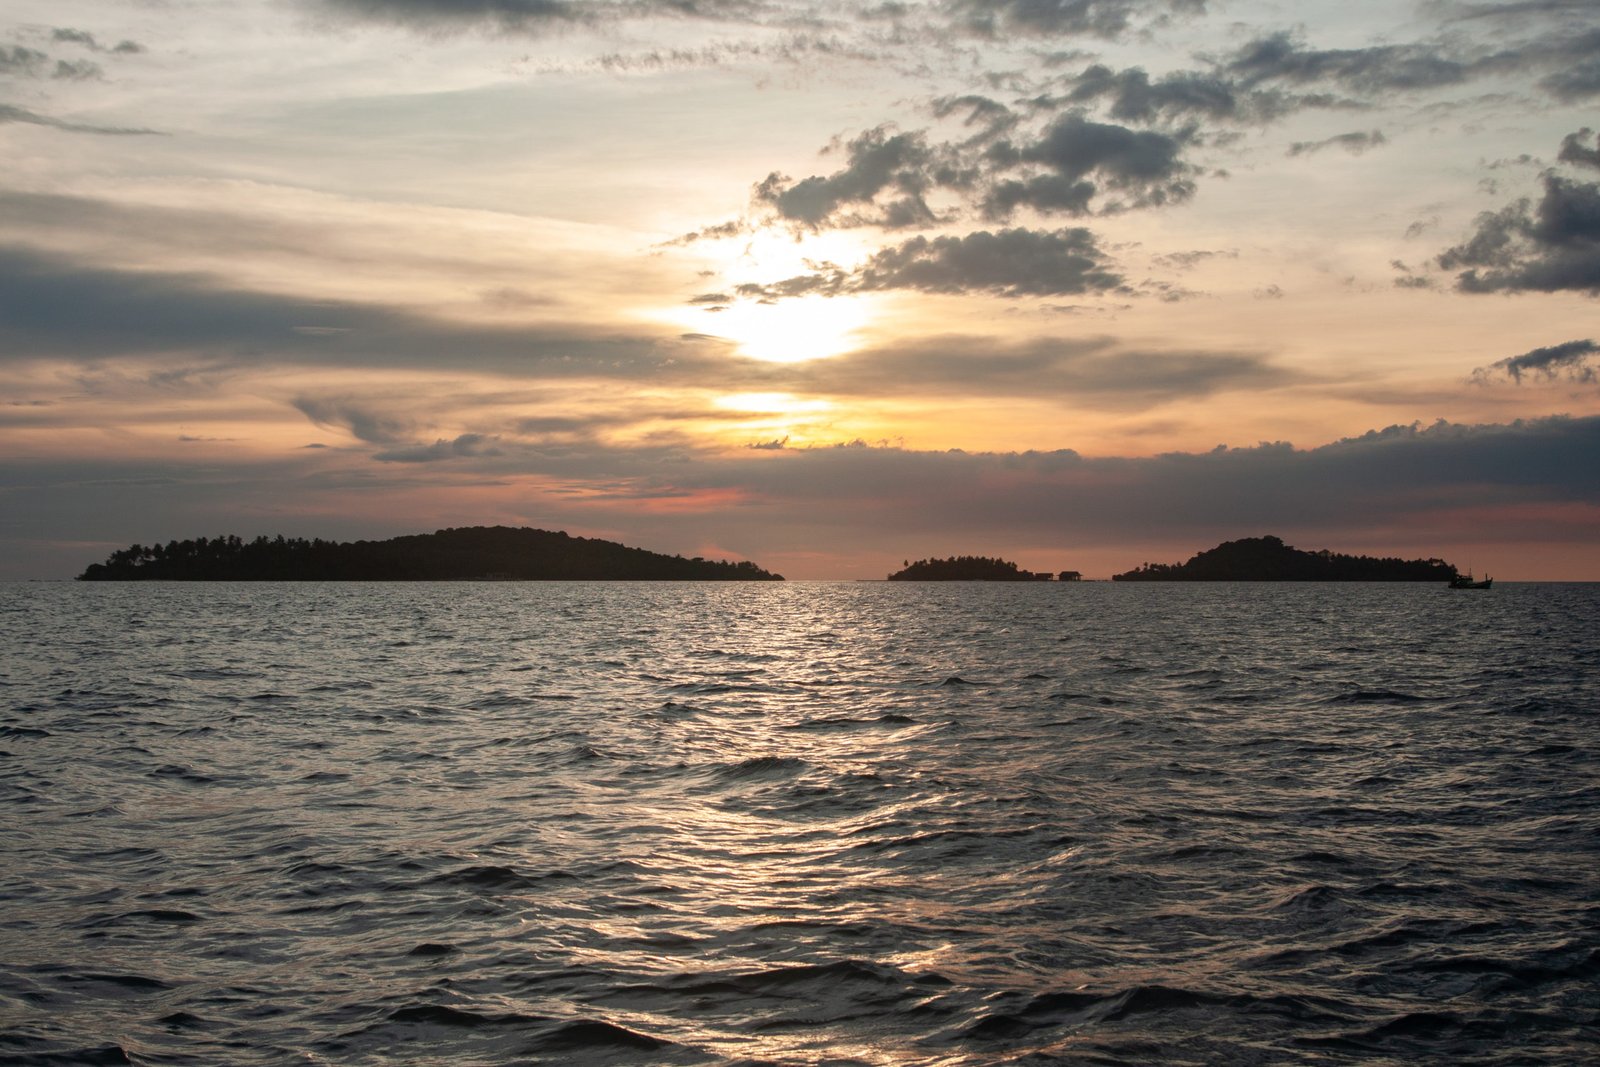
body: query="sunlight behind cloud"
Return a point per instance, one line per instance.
(811, 327)
(787, 330)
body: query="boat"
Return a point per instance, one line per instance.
(1465, 581)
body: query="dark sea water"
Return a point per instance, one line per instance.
(799, 824)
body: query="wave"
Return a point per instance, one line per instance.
(1381, 696)
(445, 1015)
(761, 767)
(1246, 847)
(88, 1056)
(596, 1034)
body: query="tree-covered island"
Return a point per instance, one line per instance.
(967, 569)
(466, 554)
(1268, 559)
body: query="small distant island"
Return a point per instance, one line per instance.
(477, 553)
(974, 569)
(1268, 559)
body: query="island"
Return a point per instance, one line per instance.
(1268, 559)
(969, 569)
(481, 553)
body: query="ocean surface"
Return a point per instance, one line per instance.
(801, 823)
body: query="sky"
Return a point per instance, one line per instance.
(824, 285)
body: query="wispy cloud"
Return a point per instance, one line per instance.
(1355, 143)
(1280, 57)
(541, 16)
(9, 113)
(354, 416)
(463, 445)
(53, 306)
(1573, 360)
(1065, 18)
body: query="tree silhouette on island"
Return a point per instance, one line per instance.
(1268, 559)
(482, 553)
(966, 569)
(1250, 559)
(488, 553)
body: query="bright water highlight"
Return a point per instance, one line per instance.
(798, 824)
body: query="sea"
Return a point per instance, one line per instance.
(877, 823)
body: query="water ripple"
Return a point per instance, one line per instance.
(874, 824)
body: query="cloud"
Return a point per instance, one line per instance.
(1145, 165)
(564, 424)
(504, 15)
(1569, 54)
(1069, 369)
(51, 309)
(1059, 18)
(1014, 262)
(877, 159)
(8, 113)
(1550, 247)
(464, 445)
(15, 60)
(1520, 9)
(1575, 83)
(1378, 69)
(1134, 97)
(1571, 360)
(991, 116)
(1062, 169)
(788, 47)
(1184, 261)
(1485, 482)
(1574, 56)
(533, 17)
(65, 35)
(715, 232)
(1573, 150)
(896, 500)
(1409, 279)
(1354, 143)
(54, 308)
(20, 61)
(77, 70)
(355, 417)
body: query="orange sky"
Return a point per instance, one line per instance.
(822, 285)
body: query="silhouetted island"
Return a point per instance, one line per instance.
(478, 553)
(1268, 559)
(966, 569)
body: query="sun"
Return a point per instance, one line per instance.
(784, 329)
(793, 330)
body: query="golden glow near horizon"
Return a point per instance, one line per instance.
(772, 403)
